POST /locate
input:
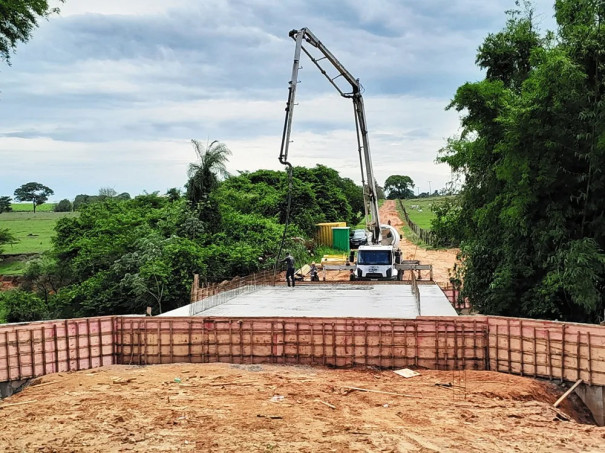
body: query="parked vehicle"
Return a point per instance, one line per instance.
(359, 237)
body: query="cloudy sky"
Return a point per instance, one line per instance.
(109, 93)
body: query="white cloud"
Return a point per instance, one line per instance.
(109, 93)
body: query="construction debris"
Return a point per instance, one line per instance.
(406, 373)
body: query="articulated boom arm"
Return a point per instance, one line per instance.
(302, 36)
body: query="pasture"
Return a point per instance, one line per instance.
(419, 210)
(29, 207)
(32, 231)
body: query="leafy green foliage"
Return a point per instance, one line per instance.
(83, 199)
(33, 191)
(204, 174)
(530, 216)
(119, 256)
(63, 206)
(446, 221)
(5, 204)
(18, 18)
(319, 194)
(399, 187)
(6, 238)
(23, 306)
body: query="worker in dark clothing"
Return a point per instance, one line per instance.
(289, 260)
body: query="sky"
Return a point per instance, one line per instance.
(109, 94)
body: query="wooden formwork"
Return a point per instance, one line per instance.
(547, 349)
(39, 348)
(441, 343)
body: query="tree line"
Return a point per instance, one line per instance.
(121, 255)
(530, 217)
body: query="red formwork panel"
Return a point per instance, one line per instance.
(39, 348)
(548, 349)
(446, 343)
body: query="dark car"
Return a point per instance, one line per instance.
(359, 237)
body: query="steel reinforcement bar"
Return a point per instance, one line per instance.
(562, 351)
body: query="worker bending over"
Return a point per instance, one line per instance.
(289, 260)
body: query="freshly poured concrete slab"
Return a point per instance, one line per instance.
(327, 301)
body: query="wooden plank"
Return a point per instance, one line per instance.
(416, 345)
(578, 355)
(535, 353)
(88, 346)
(562, 352)
(508, 344)
(100, 340)
(497, 348)
(7, 356)
(567, 393)
(146, 340)
(43, 337)
(159, 342)
(589, 358)
(20, 374)
(56, 347)
(521, 346)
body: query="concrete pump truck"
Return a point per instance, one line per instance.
(379, 258)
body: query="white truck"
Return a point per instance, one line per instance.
(378, 259)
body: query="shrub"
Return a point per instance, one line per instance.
(63, 206)
(23, 306)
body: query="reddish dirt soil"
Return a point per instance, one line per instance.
(222, 407)
(442, 260)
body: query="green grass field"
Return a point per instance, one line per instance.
(33, 231)
(12, 266)
(423, 214)
(29, 207)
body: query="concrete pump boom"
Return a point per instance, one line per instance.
(302, 36)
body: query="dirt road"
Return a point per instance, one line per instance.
(442, 260)
(261, 408)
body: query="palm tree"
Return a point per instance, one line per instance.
(204, 174)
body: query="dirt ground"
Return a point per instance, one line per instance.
(222, 407)
(442, 260)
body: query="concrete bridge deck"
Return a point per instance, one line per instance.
(326, 301)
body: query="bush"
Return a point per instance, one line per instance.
(63, 206)
(23, 306)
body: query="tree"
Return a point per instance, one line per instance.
(63, 206)
(5, 204)
(107, 192)
(35, 192)
(84, 199)
(6, 238)
(530, 218)
(123, 196)
(399, 186)
(18, 18)
(204, 175)
(173, 194)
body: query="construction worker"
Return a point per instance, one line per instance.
(289, 260)
(314, 273)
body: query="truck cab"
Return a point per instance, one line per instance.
(376, 262)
